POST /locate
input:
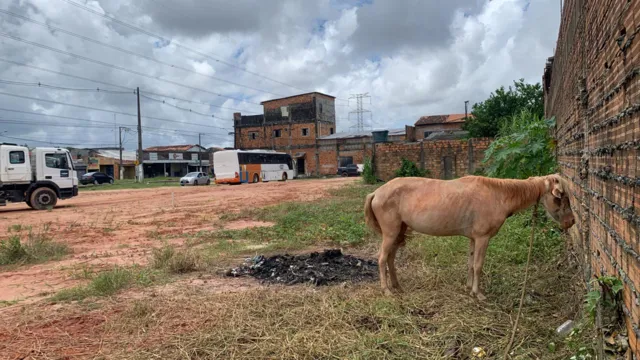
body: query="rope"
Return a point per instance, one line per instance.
(524, 284)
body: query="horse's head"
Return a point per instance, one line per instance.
(556, 201)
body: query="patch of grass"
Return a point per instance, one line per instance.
(175, 261)
(37, 247)
(109, 282)
(14, 228)
(132, 184)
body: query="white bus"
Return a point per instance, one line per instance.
(251, 166)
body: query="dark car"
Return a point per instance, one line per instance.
(96, 178)
(349, 170)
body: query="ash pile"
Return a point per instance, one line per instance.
(318, 268)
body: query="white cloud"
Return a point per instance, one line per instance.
(413, 57)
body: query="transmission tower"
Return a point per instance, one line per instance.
(360, 111)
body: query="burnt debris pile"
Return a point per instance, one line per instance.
(318, 268)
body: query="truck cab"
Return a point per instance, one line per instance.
(38, 177)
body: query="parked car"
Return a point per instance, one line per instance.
(349, 170)
(96, 178)
(195, 178)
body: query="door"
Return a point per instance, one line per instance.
(17, 168)
(300, 166)
(448, 167)
(58, 169)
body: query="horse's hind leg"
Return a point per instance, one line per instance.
(472, 245)
(400, 241)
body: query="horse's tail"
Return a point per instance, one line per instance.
(369, 216)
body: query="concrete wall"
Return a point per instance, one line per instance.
(465, 156)
(591, 87)
(436, 127)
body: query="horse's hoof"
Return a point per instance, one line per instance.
(481, 297)
(388, 292)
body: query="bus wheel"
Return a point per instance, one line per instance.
(284, 176)
(256, 178)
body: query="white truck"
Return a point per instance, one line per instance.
(38, 177)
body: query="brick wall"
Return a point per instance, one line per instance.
(591, 87)
(463, 156)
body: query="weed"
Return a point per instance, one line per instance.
(140, 309)
(176, 262)
(14, 228)
(38, 247)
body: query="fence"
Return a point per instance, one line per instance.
(591, 87)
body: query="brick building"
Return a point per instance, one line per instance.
(292, 124)
(591, 86)
(428, 125)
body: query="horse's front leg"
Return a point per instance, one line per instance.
(480, 251)
(472, 244)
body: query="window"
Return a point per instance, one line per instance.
(253, 135)
(427, 133)
(16, 157)
(320, 108)
(305, 132)
(331, 131)
(277, 133)
(56, 161)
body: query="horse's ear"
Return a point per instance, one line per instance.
(557, 192)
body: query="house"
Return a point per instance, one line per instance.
(291, 124)
(428, 125)
(105, 160)
(176, 160)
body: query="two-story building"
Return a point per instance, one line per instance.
(292, 124)
(176, 160)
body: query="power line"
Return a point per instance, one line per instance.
(16, 38)
(118, 86)
(106, 110)
(70, 33)
(166, 40)
(50, 142)
(94, 121)
(38, 84)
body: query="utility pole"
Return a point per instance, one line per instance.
(466, 102)
(140, 155)
(360, 110)
(200, 151)
(121, 170)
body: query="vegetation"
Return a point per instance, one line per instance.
(108, 283)
(176, 262)
(410, 169)
(37, 247)
(132, 184)
(368, 175)
(491, 114)
(524, 148)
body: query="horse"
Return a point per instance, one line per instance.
(471, 206)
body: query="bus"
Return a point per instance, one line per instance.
(251, 166)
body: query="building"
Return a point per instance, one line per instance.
(105, 160)
(176, 160)
(428, 125)
(292, 124)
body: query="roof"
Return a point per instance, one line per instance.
(447, 135)
(441, 119)
(292, 96)
(359, 134)
(171, 148)
(115, 154)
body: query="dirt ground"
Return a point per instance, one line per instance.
(104, 228)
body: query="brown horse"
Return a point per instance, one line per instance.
(473, 206)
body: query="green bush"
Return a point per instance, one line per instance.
(368, 175)
(524, 148)
(410, 169)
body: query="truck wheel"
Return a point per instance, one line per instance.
(28, 201)
(43, 198)
(345, 174)
(284, 176)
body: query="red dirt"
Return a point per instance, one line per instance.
(105, 228)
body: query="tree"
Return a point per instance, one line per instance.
(489, 115)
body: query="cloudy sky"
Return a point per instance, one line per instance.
(198, 61)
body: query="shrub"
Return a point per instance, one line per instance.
(368, 175)
(524, 148)
(410, 169)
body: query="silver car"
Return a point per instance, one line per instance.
(195, 178)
